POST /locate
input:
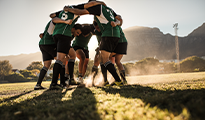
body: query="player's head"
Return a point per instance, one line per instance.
(91, 0)
(86, 29)
(76, 30)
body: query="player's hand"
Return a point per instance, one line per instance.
(41, 35)
(69, 22)
(113, 24)
(66, 8)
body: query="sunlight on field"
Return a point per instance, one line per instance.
(164, 78)
(170, 96)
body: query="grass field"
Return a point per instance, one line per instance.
(164, 97)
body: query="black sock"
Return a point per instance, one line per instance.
(111, 68)
(62, 75)
(67, 76)
(104, 71)
(122, 74)
(56, 70)
(71, 63)
(42, 75)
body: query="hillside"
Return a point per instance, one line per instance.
(149, 42)
(142, 42)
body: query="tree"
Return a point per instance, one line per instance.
(15, 77)
(5, 68)
(27, 73)
(35, 65)
(191, 63)
(148, 66)
(35, 71)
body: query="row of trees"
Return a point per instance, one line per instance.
(143, 67)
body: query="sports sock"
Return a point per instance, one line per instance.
(80, 75)
(62, 75)
(42, 75)
(71, 63)
(111, 68)
(56, 70)
(67, 76)
(104, 71)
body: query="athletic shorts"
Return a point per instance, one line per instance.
(84, 50)
(121, 48)
(63, 43)
(109, 43)
(48, 52)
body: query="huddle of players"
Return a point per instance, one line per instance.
(56, 43)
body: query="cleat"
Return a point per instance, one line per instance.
(117, 84)
(124, 82)
(71, 82)
(106, 84)
(55, 87)
(63, 85)
(80, 80)
(39, 87)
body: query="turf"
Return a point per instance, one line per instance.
(177, 100)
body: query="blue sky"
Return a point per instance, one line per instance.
(23, 20)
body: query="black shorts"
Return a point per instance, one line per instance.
(84, 50)
(109, 43)
(48, 52)
(63, 43)
(121, 48)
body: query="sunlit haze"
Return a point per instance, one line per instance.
(23, 20)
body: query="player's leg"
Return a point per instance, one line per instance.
(42, 74)
(106, 47)
(48, 54)
(85, 66)
(63, 47)
(57, 69)
(62, 74)
(121, 68)
(121, 49)
(96, 63)
(71, 62)
(85, 62)
(81, 56)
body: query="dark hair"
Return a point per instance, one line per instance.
(78, 26)
(91, 0)
(86, 29)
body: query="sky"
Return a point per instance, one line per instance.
(22, 20)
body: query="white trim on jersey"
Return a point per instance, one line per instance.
(102, 18)
(75, 16)
(51, 28)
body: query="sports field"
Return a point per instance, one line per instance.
(178, 96)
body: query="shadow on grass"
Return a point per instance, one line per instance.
(78, 103)
(172, 100)
(16, 96)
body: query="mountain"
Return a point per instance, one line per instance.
(142, 42)
(23, 60)
(151, 42)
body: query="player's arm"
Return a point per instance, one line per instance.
(75, 11)
(41, 35)
(119, 20)
(58, 20)
(93, 3)
(56, 14)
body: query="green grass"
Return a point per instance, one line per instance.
(177, 100)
